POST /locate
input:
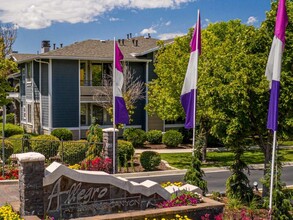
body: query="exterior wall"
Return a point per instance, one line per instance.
(65, 93)
(36, 81)
(155, 123)
(45, 94)
(138, 118)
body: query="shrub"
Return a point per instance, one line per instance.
(9, 118)
(62, 134)
(11, 129)
(187, 135)
(18, 140)
(94, 137)
(125, 148)
(46, 145)
(135, 135)
(73, 151)
(172, 138)
(8, 149)
(154, 136)
(150, 160)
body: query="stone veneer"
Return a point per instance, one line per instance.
(31, 173)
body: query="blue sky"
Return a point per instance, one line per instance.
(69, 21)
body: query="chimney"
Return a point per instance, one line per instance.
(122, 42)
(45, 46)
(127, 36)
(136, 43)
(54, 46)
(61, 45)
(130, 35)
(133, 40)
(119, 42)
(149, 35)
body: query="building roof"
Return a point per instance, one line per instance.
(96, 50)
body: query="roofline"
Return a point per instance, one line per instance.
(149, 51)
(80, 58)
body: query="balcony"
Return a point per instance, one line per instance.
(88, 93)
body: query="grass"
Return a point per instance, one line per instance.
(219, 159)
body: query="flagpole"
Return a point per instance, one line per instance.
(114, 88)
(194, 104)
(272, 173)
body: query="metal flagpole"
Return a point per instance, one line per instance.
(194, 104)
(114, 88)
(272, 173)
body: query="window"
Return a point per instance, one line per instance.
(28, 72)
(23, 112)
(97, 74)
(98, 115)
(29, 113)
(100, 72)
(83, 114)
(82, 72)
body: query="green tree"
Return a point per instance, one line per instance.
(7, 66)
(233, 92)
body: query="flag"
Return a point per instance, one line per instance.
(273, 69)
(121, 113)
(189, 90)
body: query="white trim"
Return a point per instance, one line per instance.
(70, 128)
(50, 95)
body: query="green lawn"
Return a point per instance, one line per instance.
(219, 159)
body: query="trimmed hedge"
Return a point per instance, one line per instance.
(150, 160)
(125, 148)
(18, 140)
(46, 145)
(11, 129)
(73, 151)
(9, 118)
(172, 138)
(154, 136)
(62, 134)
(135, 135)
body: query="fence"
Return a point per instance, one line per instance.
(67, 152)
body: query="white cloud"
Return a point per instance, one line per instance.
(168, 23)
(150, 30)
(114, 19)
(32, 14)
(251, 20)
(167, 36)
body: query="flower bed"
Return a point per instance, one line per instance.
(10, 173)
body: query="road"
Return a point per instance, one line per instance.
(216, 178)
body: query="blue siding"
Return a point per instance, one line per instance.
(138, 118)
(65, 93)
(44, 94)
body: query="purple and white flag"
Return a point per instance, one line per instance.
(121, 113)
(189, 90)
(273, 69)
